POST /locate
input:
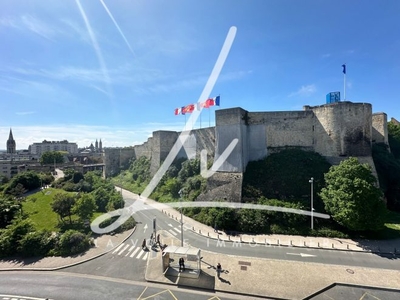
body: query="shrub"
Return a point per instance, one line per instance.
(37, 243)
(128, 224)
(73, 242)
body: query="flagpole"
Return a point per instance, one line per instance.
(344, 82)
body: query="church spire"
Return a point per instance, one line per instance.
(11, 146)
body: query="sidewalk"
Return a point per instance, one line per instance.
(275, 279)
(242, 275)
(375, 246)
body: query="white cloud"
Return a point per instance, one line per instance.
(23, 113)
(30, 23)
(326, 55)
(84, 135)
(305, 91)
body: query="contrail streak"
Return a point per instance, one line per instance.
(116, 25)
(95, 46)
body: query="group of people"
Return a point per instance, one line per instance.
(153, 242)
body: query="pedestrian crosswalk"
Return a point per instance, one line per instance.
(174, 231)
(132, 248)
(131, 251)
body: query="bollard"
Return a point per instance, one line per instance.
(278, 243)
(240, 239)
(318, 244)
(252, 240)
(208, 234)
(333, 246)
(193, 228)
(199, 231)
(347, 246)
(291, 243)
(229, 237)
(304, 243)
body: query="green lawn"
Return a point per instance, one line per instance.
(38, 207)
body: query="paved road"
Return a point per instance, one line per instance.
(361, 259)
(128, 261)
(67, 286)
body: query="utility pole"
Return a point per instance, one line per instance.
(312, 200)
(180, 194)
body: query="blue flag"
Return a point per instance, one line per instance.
(344, 69)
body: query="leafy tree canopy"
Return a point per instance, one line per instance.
(394, 139)
(29, 180)
(352, 198)
(51, 157)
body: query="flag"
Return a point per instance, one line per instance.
(188, 109)
(199, 105)
(178, 111)
(212, 102)
(344, 69)
(216, 101)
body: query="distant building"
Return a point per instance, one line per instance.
(11, 145)
(45, 146)
(96, 148)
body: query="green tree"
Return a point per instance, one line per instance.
(85, 206)
(51, 157)
(352, 197)
(102, 197)
(8, 209)
(29, 180)
(73, 242)
(62, 205)
(388, 169)
(394, 139)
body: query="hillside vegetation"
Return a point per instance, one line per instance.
(282, 179)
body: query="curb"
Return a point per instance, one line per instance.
(394, 253)
(72, 264)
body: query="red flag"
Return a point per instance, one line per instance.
(178, 111)
(188, 109)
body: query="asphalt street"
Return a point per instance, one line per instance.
(67, 286)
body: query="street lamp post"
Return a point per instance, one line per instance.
(312, 200)
(180, 194)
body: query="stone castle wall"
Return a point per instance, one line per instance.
(379, 128)
(336, 131)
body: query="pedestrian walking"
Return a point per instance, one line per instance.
(219, 270)
(144, 244)
(180, 264)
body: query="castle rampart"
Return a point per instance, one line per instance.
(336, 131)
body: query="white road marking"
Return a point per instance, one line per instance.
(119, 247)
(134, 252)
(130, 249)
(126, 247)
(302, 254)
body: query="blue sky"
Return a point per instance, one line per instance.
(116, 70)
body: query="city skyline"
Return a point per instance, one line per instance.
(80, 70)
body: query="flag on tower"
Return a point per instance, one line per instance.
(344, 68)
